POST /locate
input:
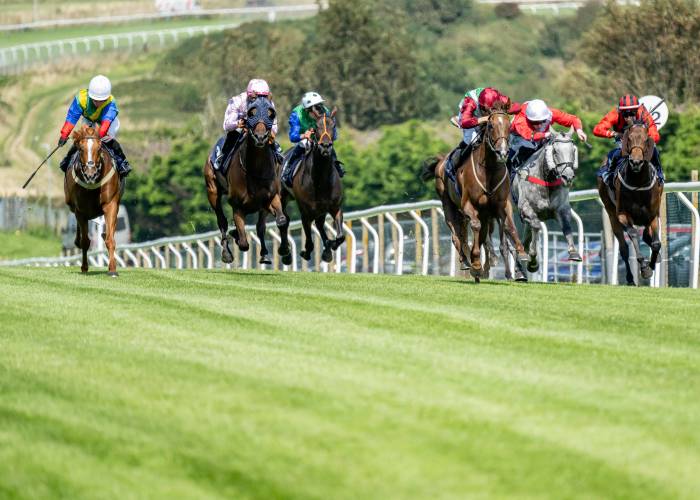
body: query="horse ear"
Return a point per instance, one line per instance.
(623, 144)
(649, 150)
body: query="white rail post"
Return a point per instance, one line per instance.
(695, 239)
(453, 250)
(319, 247)
(132, 256)
(351, 251)
(255, 238)
(159, 255)
(207, 253)
(338, 256)
(178, 256)
(192, 254)
(426, 241)
(545, 252)
(398, 255)
(145, 257)
(375, 241)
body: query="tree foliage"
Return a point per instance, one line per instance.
(647, 49)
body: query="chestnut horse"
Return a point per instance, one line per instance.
(485, 187)
(93, 188)
(318, 191)
(636, 199)
(251, 183)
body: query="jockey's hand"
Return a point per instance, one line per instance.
(272, 137)
(307, 135)
(62, 141)
(241, 124)
(481, 120)
(615, 135)
(548, 134)
(581, 135)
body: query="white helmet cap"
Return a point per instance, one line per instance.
(258, 87)
(100, 88)
(311, 99)
(537, 111)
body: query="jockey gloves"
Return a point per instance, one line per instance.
(258, 87)
(537, 111)
(100, 88)
(311, 99)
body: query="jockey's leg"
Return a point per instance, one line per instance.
(123, 167)
(337, 163)
(289, 166)
(656, 161)
(229, 143)
(66, 160)
(278, 151)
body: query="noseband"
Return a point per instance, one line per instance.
(100, 163)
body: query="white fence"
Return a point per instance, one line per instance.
(412, 238)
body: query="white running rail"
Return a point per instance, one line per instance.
(404, 226)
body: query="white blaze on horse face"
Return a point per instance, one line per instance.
(89, 151)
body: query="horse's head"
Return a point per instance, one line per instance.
(259, 120)
(89, 145)
(323, 131)
(497, 132)
(561, 157)
(637, 146)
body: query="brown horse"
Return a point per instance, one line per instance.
(636, 199)
(93, 188)
(251, 183)
(318, 190)
(485, 187)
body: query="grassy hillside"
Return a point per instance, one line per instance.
(262, 385)
(23, 244)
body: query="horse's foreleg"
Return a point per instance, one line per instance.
(633, 234)
(532, 235)
(241, 237)
(339, 229)
(276, 208)
(284, 250)
(619, 233)
(327, 254)
(506, 215)
(110, 210)
(456, 222)
(563, 214)
(222, 223)
(84, 240)
(655, 244)
(504, 250)
(475, 223)
(260, 228)
(309, 243)
(484, 237)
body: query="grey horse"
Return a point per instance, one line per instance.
(541, 188)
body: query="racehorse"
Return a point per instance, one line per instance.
(636, 199)
(318, 190)
(251, 182)
(542, 190)
(485, 186)
(93, 188)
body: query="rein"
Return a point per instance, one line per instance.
(94, 185)
(489, 142)
(483, 188)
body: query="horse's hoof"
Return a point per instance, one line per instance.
(327, 255)
(520, 276)
(575, 256)
(113, 274)
(337, 242)
(533, 267)
(83, 271)
(476, 273)
(305, 255)
(265, 260)
(226, 255)
(243, 247)
(477, 280)
(523, 259)
(647, 272)
(287, 259)
(281, 221)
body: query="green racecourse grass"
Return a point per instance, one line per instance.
(274, 385)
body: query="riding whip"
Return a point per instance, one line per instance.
(41, 165)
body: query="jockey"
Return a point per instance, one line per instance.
(96, 106)
(474, 111)
(531, 128)
(301, 124)
(613, 124)
(234, 119)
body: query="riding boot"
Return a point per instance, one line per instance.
(455, 158)
(65, 162)
(229, 143)
(289, 166)
(338, 164)
(123, 167)
(656, 161)
(278, 152)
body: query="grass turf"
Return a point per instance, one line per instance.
(271, 385)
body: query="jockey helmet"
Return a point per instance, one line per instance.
(628, 102)
(311, 99)
(488, 97)
(100, 88)
(537, 111)
(258, 87)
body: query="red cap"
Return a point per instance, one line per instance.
(628, 102)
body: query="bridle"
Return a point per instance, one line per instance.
(489, 127)
(91, 182)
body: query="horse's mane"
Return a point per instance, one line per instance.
(500, 106)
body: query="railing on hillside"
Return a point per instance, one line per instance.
(411, 238)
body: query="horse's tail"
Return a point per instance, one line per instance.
(427, 172)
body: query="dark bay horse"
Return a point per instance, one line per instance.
(318, 190)
(93, 188)
(485, 187)
(251, 183)
(636, 200)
